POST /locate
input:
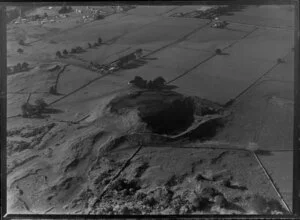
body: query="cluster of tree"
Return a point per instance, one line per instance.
(65, 9)
(65, 52)
(78, 49)
(119, 63)
(29, 110)
(157, 83)
(60, 54)
(18, 68)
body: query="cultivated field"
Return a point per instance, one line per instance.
(103, 146)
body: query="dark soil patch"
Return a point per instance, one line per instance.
(176, 118)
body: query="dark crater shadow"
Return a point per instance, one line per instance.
(172, 120)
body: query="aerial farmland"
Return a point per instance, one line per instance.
(137, 110)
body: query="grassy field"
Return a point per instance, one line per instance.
(180, 49)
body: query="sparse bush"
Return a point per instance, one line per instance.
(40, 104)
(138, 53)
(79, 49)
(24, 66)
(53, 90)
(150, 201)
(20, 50)
(58, 54)
(218, 51)
(28, 110)
(65, 52)
(18, 68)
(279, 60)
(139, 82)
